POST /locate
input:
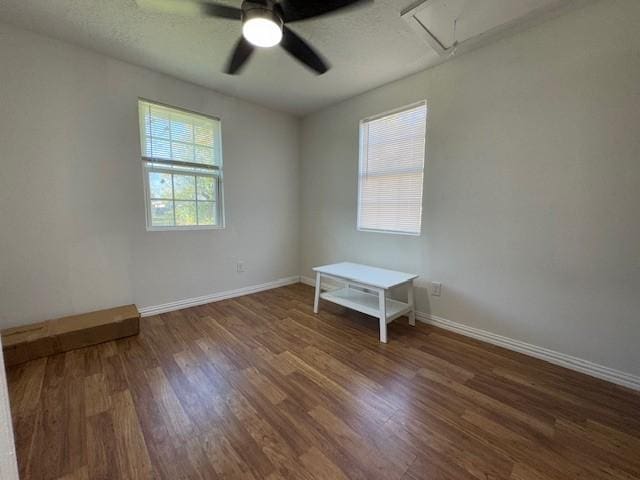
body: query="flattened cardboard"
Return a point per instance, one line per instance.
(25, 333)
(79, 331)
(21, 344)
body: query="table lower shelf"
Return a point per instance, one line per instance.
(365, 302)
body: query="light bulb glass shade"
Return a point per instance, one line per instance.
(262, 32)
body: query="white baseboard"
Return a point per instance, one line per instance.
(307, 281)
(215, 297)
(551, 356)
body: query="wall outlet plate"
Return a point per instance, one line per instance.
(240, 266)
(436, 289)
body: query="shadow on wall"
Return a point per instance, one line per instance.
(466, 310)
(423, 302)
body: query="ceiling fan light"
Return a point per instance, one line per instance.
(262, 32)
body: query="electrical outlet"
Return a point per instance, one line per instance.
(240, 266)
(436, 289)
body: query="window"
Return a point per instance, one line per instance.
(392, 149)
(182, 162)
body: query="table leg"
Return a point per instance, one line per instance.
(316, 301)
(383, 316)
(412, 304)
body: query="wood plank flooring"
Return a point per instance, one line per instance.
(258, 387)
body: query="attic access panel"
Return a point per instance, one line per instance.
(442, 23)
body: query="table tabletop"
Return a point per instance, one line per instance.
(374, 276)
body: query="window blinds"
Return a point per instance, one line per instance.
(168, 134)
(392, 150)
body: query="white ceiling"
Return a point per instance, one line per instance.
(474, 18)
(367, 47)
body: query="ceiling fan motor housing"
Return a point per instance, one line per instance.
(264, 10)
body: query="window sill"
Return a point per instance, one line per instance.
(390, 232)
(185, 228)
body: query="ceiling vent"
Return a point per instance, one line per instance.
(446, 25)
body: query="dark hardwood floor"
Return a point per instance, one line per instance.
(258, 387)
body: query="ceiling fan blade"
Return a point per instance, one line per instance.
(191, 8)
(294, 10)
(302, 51)
(240, 55)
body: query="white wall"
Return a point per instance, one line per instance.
(8, 463)
(532, 188)
(72, 219)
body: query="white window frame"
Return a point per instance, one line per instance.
(362, 152)
(159, 165)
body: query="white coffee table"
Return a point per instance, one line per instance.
(360, 281)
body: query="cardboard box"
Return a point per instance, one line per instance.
(21, 344)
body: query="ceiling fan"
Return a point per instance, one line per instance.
(263, 25)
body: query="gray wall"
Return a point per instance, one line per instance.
(72, 218)
(532, 187)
